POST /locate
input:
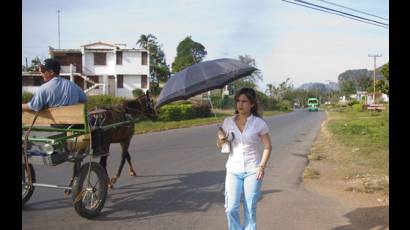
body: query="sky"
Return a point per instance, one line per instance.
(286, 40)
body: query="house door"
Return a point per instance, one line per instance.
(111, 85)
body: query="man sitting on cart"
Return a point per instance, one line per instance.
(56, 91)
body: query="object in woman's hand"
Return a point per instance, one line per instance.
(221, 133)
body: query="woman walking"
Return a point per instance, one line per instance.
(245, 166)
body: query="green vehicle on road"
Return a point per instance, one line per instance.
(313, 104)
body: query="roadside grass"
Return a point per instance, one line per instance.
(149, 126)
(311, 173)
(366, 134)
(358, 144)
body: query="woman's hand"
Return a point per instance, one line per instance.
(221, 137)
(260, 173)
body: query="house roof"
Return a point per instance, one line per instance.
(100, 43)
(65, 50)
(88, 48)
(133, 50)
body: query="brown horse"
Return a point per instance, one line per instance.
(130, 110)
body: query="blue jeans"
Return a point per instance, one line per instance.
(235, 184)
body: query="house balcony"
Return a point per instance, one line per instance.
(66, 69)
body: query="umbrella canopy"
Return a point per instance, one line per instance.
(202, 77)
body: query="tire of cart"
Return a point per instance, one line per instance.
(89, 190)
(27, 190)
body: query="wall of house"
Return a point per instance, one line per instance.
(130, 83)
(30, 89)
(66, 69)
(91, 69)
(131, 64)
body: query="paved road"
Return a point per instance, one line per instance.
(180, 184)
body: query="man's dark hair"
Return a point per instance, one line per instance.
(51, 64)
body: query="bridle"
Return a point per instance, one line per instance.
(141, 111)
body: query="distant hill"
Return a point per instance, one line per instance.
(357, 79)
(357, 74)
(332, 86)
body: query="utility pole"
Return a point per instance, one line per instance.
(26, 64)
(58, 11)
(374, 75)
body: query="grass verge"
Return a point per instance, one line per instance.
(357, 144)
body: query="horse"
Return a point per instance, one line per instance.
(143, 106)
(129, 110)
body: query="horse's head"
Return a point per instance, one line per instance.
(143, 105)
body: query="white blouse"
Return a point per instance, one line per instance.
(245, 156)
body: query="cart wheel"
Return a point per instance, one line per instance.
(27, 191)
(90, 190)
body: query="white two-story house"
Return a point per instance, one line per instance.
(103, 68)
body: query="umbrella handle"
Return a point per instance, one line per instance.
(212, 107)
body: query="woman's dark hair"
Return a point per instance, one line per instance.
(251, 95)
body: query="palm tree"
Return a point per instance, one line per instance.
(146, 40)
(269, 90)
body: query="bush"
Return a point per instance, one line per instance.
(26, 97)
(222, 103)
(203, 109)
(184, 111)
(137, 92)
(357, 107)
(103, 100)
(353, 102)
(285, 105)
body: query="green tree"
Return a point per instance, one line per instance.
(270, 89)
(145, 40)
(189, 52)
(283, 89)
(383, 85)
(34, 64)
(159, 70)
(365, 84)
(249, 81)
(347, 87)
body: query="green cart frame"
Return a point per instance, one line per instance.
(62, 134)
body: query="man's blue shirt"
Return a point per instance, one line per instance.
(57, 92)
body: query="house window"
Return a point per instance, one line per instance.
(144, 60)
(144, 81)
(100, 59)
(120, 81)
(119, 58)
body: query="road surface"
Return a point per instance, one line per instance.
(180, 184)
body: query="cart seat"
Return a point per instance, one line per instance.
(97, 111)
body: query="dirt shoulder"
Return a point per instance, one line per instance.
(364, 194)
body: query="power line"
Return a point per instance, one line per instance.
(335, 14)
(331, 3)
(308, 3)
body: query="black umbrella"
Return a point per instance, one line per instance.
(202, 77)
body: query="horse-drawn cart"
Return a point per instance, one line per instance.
(68, 139)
